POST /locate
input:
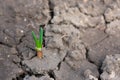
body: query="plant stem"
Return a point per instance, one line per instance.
(39, 54)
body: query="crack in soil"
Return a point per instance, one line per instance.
(2, 43)
(87, 57)
(59, 64)
(50, 73)
(51, 10)
(101, 40)
(20, 40)
(19, 77)
(98, 67)
(106, 23)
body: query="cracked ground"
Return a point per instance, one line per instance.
(81, 39)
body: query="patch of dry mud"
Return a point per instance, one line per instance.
(81, 39)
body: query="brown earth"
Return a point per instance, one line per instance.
(81, 39)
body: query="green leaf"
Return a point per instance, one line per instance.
(41, 36)
(34, 36)
(37, 42)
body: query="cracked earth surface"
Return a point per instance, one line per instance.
(81, 39)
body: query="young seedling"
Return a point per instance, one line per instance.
(38, 42)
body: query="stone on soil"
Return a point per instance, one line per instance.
(110, 67)
(112, 12)
(113, 28)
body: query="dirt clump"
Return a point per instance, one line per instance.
(79, 38)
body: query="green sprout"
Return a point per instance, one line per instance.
(38, 41)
